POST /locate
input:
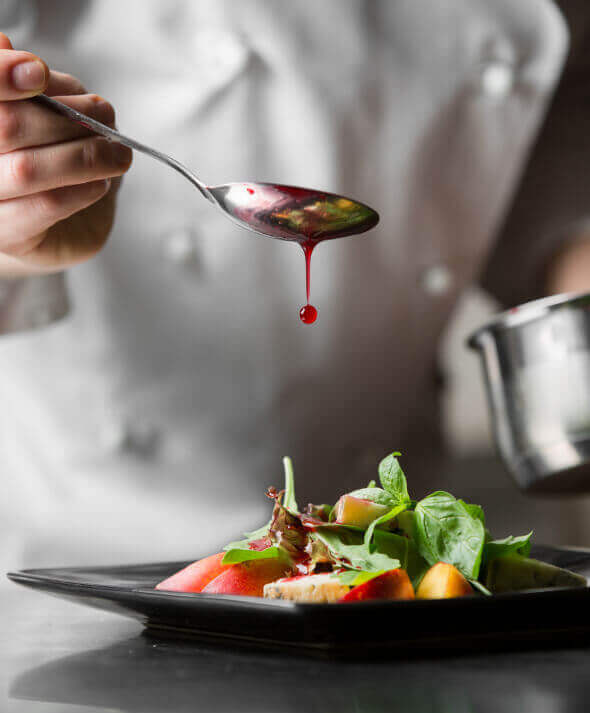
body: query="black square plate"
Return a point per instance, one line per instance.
(331, 629)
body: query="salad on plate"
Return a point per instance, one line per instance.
(373, 543)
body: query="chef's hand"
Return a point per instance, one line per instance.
(56, 198)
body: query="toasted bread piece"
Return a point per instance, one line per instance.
(310, 588)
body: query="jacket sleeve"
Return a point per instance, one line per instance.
(32, 302)
(553, 200)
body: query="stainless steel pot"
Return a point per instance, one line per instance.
(536, 364)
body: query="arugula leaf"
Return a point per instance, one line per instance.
(241, 550)
(348, 549)
(447, 531)
(380, 520)
(393, 479)
(375, 495)
(289, 498)
(498, 548)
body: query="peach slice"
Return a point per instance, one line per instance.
(359, 512)
(443, 581)
(394, 584)
(248, 578)
(196, 575)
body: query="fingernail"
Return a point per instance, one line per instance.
(29, 76)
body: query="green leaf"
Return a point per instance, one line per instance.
(348, 549)
(375, 495)
(403, 549)
(392, 545)
(353, 577)
(393, 479)
(380, 520)
(372, 484)
(234, 556)
(447, 531)
(498, 548)
(289, 499)
(254, 535)
(480, 588)
(476, 511)
(242, 544)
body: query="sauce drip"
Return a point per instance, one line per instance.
(308, 313)
(300, 215)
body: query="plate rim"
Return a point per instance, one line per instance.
(31, 576)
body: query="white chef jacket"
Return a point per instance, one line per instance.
(147, 420)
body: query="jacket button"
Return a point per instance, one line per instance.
(497, 78)
(139, 439)
(436, 280)
(179, 247)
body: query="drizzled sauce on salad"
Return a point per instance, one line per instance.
(303, 216)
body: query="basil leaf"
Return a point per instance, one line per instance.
(380, 520)
(403, 549)
(498, 548)
(349, 550)
(375, 495)
(393, 479)
(446, 531)
(476, 511)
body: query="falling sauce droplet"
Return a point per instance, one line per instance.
(308, 314)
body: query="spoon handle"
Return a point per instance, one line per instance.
(113, 135)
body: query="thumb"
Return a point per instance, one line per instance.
(22, 74)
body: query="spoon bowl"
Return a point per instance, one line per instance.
(293, 213)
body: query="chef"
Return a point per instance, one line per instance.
(151, 383)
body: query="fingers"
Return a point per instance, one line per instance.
(63, 84)
(23, 221)
(34, 170)
(26, 125)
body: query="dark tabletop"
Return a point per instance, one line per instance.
(56, 656)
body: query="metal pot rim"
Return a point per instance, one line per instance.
(528, 312)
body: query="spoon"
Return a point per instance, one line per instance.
(283, 212)
(303, 215)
